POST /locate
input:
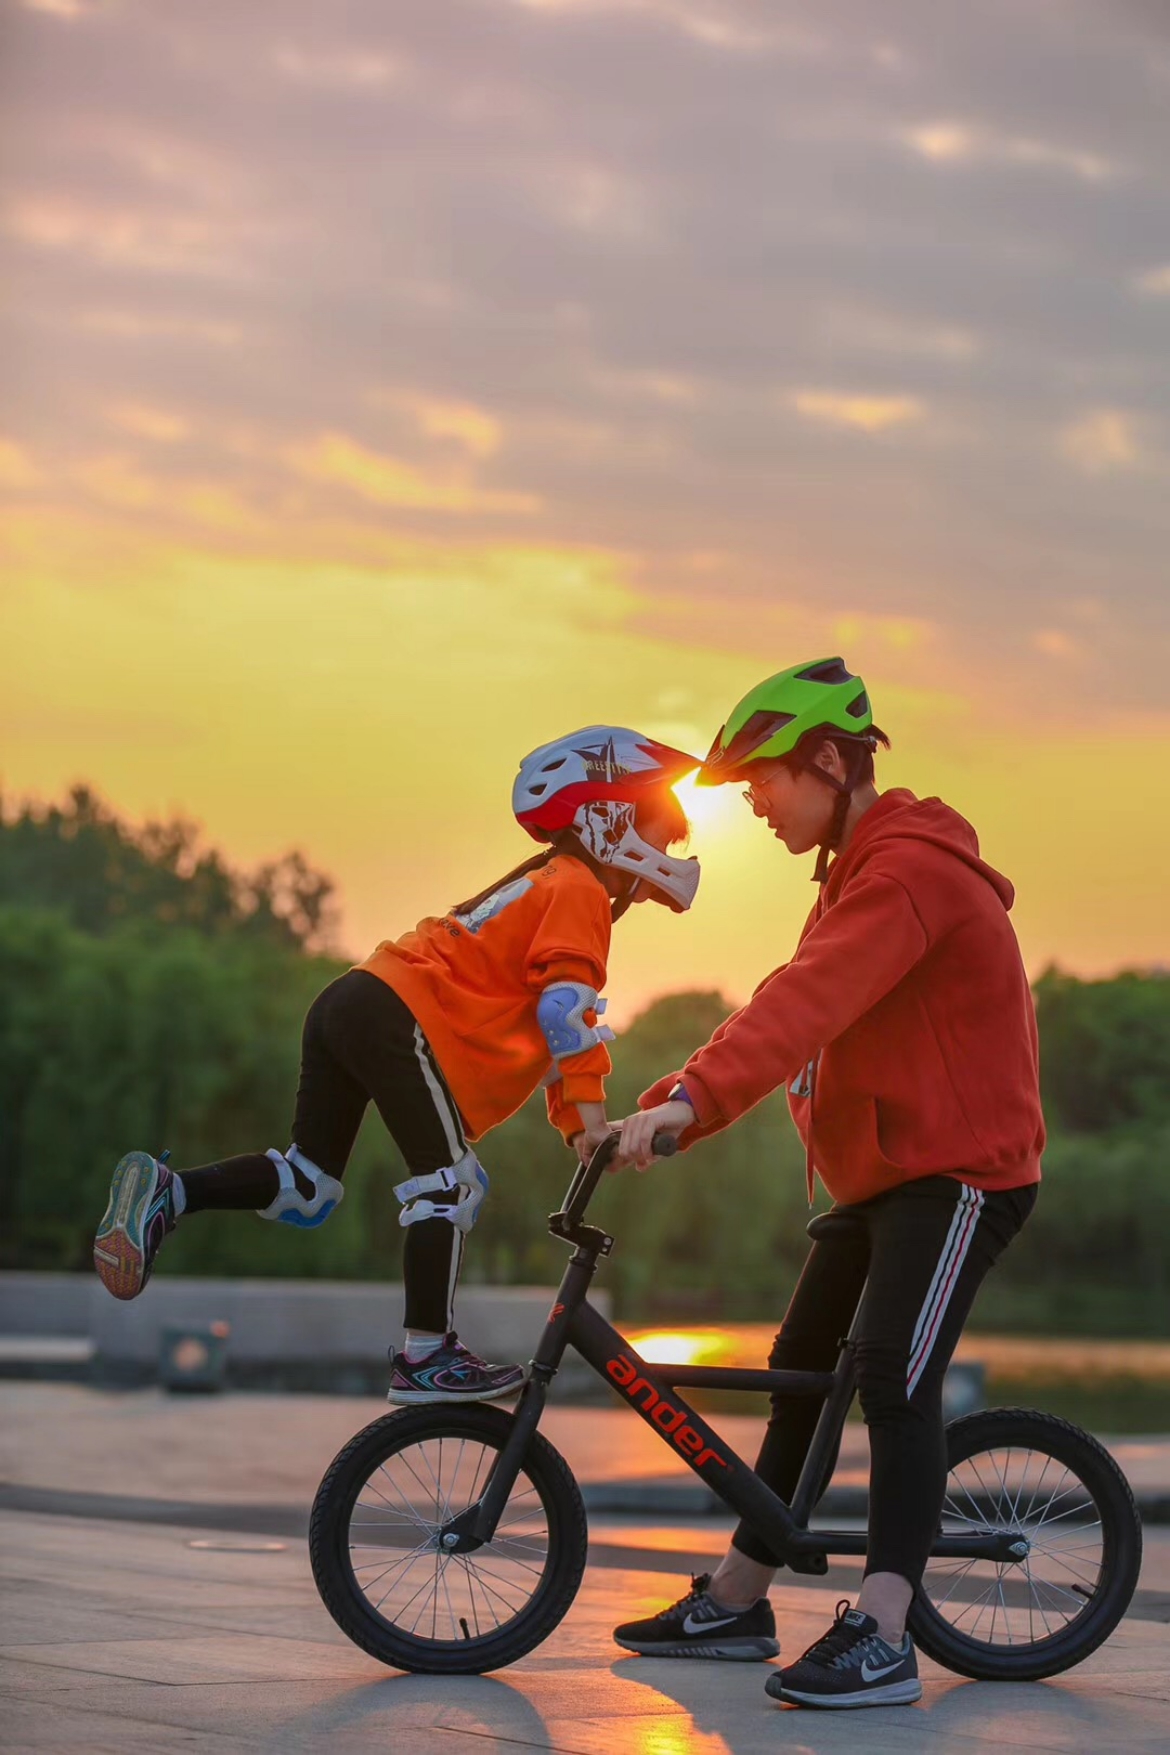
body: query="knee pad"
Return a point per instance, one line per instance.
(291, 1207)
(467, 1178)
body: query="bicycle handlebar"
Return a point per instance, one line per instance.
(587, 1176)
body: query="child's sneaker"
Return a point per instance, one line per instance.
(140, 1214)
(699, 1627)
(450, 1374)
(850, 1665)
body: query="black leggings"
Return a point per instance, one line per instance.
(361, 1043)
(924, 1252)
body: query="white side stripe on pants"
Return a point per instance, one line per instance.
(450, 1123)
(455, 1145)
(954, 1253)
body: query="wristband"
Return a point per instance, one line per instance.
(680, 1095)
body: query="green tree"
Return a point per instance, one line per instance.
(1104, 1050)
(82, 860)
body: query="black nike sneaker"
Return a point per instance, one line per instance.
(699, 1627)
(850, 1665)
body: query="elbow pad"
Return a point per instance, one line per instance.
(560, 1012)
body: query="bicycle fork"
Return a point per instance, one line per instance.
(476, 1526)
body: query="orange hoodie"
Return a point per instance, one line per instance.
(473, 982)
(903, 1026)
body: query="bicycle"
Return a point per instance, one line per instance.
(453, 1540)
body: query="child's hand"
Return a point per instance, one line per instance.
(587, 1142)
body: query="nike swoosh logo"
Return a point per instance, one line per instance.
(868, 1675)
(690, 1625)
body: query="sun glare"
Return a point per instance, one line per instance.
(707, 807)
(670, 1347)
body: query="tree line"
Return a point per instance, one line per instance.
(150, 996)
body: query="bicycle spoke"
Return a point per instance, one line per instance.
(1034, 1597)
(958, 1579)
(482, 1572)
(410, 1510)
(1037, 1488)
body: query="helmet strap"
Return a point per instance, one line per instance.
(844, 790)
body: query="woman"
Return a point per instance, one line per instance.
(448, 1030)
(904, 1031)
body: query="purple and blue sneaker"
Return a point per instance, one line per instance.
(450, 1374)
(140, 1213)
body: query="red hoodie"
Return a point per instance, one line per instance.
(907, 1008)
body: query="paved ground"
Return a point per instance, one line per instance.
(119, 1634)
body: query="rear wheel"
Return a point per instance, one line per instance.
(374, 1542)
(1055, 1488)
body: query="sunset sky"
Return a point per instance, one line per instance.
(390, 388)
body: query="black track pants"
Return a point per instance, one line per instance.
(361, 1044)
(925, 1250)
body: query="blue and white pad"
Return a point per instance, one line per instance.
(468, 1176)
(560, 1012)
(291, 1207)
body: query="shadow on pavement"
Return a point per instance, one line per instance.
(475, 1704)
(1015, 1715)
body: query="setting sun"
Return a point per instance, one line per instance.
(709, 807)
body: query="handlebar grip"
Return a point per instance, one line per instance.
(664, 1145)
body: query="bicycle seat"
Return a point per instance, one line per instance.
(838, 1225)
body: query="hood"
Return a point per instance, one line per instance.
(898, 814)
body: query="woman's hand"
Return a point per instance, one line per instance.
(638, 1131)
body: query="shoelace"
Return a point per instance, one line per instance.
(699, 1583)
(838, 1640)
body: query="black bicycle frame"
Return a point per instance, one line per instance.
(651, 1389)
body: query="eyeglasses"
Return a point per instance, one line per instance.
(753, 792)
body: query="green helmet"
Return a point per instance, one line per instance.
(771, 720)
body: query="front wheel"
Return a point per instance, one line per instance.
(1061, 1493)
(380, 1568)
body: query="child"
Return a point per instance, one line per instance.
(449, 1029)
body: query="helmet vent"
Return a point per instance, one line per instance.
(751, 734)
(860, 707)
(537, 790)
(831, 671)
(551, 767)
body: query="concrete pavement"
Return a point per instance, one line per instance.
(121, 1634)
(124, 1637)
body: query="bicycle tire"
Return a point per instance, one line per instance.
(1105, 1585)
(331, 1549)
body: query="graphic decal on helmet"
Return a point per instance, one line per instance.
(602, 761)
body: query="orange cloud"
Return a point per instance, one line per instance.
(1155, 282)
(474, 429)
(954, 142)
(150, 423)
(119, 235)
(388, 481)
(17, 469)
(868, 414)
(1102, 441)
